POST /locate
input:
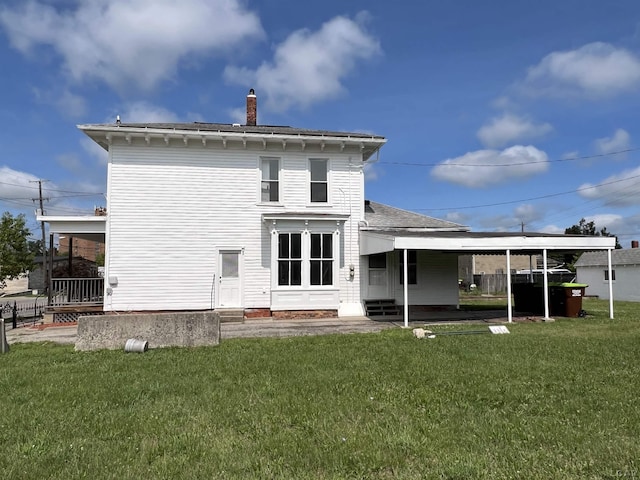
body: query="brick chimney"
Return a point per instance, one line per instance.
(634, 243)
(252, 108)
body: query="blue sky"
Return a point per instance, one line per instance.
(496, 113)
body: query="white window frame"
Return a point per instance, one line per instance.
(606, 275)
(306, 259)
(328, 181)
(261, 180)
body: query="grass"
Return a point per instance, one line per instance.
(556, 400)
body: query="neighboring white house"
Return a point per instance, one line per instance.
(270, 220)
(592, 269)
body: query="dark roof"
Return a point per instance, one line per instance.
(467, 234)
(383, 217)
(235, 128)
(629, 256)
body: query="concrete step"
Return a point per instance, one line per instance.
(230, 315)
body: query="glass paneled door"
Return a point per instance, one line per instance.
(229, 279)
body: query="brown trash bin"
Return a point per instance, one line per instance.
(566, 299)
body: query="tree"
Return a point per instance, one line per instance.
(589, 228)
(15, 255)
(581, 228)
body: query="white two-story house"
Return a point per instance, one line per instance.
(270, 220)
(205, 216)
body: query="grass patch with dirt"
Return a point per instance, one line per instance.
(548, 401)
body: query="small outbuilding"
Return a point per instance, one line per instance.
(592, 269)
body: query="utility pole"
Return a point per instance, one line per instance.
(45, 271)
(522, 227)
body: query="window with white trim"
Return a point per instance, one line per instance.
(290, 259)
(270, 179)
(378, 269)
(321, 259)
(306, 259)
(319, 180)
(613, 275)
(412, 266)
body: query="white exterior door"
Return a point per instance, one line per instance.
(378, 277)
(229, 293)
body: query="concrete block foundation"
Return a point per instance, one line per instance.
(175, 329)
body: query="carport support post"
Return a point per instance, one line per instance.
(546, 284)
(405, 273)
(610, 284)
(509, 306)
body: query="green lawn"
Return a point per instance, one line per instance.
(554, 400)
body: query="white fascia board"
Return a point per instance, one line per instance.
(479, 244)
(74, 224)
(199, 134)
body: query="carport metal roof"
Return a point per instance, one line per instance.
(378, 241)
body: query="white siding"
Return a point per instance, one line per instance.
(625, 286)
(437, 280)
(171, 207)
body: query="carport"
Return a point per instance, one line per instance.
(503, 243)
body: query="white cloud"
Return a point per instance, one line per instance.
(528, 214)
(309, 67)
(71, 104)
(95, 150)
(69, 161)
(17, 185)
(509, 128)
(458, 217)
(570, 155)
(553, 229)
(144, 112)
(611, 221)
(130, 42)
(596, 69)
(622, 189)
(490, 167)
(619, 141)
(371, 172)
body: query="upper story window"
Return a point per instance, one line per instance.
(270, 182)
(319, 168)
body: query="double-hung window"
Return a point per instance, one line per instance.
(321, 259)
(270, 181)
(319, 176)
(412, 266)
(305, 259)
(289, 259)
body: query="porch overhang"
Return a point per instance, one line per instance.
(379, 241)
(89, 227)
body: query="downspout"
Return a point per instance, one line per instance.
(49, 277)
(509, 302)
(405, 269)
(546, 284)
(610, 284)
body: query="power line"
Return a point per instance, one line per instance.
(532, 162)
(48, 189)
(528, 199)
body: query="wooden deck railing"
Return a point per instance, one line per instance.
(74, 291)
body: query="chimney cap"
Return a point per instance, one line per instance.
(252, 92)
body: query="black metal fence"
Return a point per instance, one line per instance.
(24, 313)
